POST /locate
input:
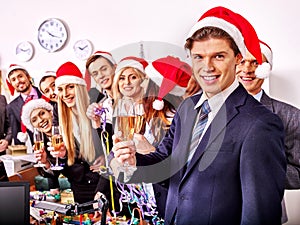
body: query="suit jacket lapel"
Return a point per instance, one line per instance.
(17, 108)
(217, 127)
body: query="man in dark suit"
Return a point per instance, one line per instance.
(18, 79)
(252, 76)
(236, 173)
(5, 128)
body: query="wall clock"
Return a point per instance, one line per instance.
(83, 49)
(52, 34)
(24, 51)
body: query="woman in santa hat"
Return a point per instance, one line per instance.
(84, 151)
(38, 113)
(158, 87)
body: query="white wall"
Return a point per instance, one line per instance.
(111, 25)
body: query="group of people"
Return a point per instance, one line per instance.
(212, 147)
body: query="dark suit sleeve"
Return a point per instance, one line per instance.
(7, 126)
(55, 114)
(263, 171)
(14, 124)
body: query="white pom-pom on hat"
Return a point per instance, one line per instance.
(158, 104)
(22, 136)
(263, 71)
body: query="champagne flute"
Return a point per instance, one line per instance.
(56, 140)
(125, 127)
(139, 114)
(38, 139)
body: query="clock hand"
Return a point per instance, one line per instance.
(24, 50)
(81, 48)
(52, 35)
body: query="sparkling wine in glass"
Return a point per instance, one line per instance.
(38, 139)
(128, 122)
(139, 114)
(56, 140)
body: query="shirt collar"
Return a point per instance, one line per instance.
(217, 100)
(32, 92)
(258, 95)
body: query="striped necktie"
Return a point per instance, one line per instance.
(198, 129)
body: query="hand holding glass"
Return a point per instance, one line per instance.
(38, 139)
(56, 144)
(129, 120)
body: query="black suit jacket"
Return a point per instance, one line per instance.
(14, 109)
(5, 128)
(237, 173)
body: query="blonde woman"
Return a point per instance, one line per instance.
(84, 151)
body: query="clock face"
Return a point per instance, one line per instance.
(83, 49)
(52, 35)
(24, 51)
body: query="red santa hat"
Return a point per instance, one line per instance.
(11, 68)
(171, 75)
(263, 71)
(132, 61)
(106, 55)
(235, 25)
(69, 73)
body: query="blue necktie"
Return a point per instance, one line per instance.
(198, 129)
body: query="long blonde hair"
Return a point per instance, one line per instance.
(87, 150)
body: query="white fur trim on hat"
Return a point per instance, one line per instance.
(267, 53)
(29, 107)
(129, 63)
(155, 76)
(69, 79)
(232, 30)
(158, 104)
(22, 136)
(14, 67)
(263, 71)
(107, 56)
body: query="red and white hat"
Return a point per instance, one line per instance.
(48, 73)
(171, 75)
(132, 61)
(32, 105)
(235, 25)
(69, 73)
(263, 71)
(106, 55)
(11, 68)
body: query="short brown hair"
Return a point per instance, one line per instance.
(211, 32)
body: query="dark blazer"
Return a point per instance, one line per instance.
(290, 117)
(5, 128)
(14, 109)
(237, 173)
